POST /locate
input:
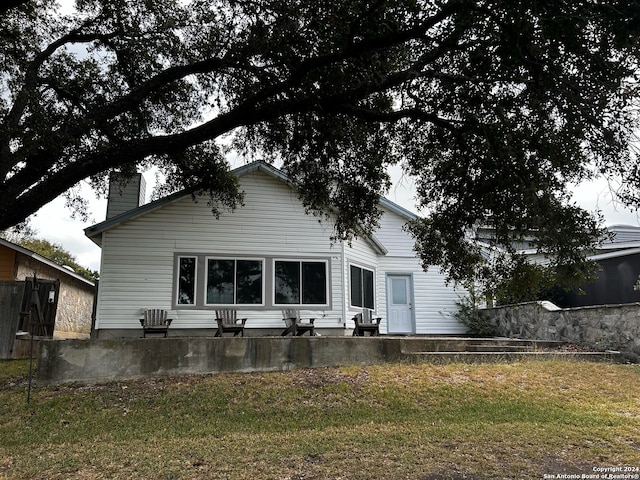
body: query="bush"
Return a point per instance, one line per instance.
(470, 315)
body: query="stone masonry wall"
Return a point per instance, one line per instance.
(609, 327)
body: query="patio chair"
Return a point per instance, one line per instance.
(155, 321)
(228, 322)
(295, 325)
(365, 322)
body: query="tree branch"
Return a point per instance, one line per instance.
(395, 116)
(31, 72)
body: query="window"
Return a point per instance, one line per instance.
(300, 283)
(234, 282)
(187, 280)
(362, 287)
(209, 281)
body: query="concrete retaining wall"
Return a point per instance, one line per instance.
(94, 361)
(609, 327)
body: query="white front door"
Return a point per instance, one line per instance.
(399, 311)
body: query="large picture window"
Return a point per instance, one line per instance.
(187, 280)
(300, 283)
(234, 282)
(362, 287)
(210, 281)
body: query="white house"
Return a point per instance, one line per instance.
(260, 258)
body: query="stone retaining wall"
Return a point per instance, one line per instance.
(608, 327)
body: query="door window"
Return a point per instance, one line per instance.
(399, 291)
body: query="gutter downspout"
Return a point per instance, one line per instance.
(344, 284)
(95, 324)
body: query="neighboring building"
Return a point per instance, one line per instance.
(261, 258)
(618, 281)
(65, 298)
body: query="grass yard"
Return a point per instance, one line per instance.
(529, 420)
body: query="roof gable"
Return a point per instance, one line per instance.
(94, 232)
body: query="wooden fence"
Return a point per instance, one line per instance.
(11, 295)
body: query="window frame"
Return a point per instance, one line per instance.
(207, 258)
(200, 274)
(301, 261)
(195, 282)
(362, 286)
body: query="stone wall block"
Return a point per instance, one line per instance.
(608, 327)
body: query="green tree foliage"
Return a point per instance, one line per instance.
(495, 106)
(524, 281)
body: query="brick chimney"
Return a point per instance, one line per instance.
(125, 193)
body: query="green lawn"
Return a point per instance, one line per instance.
(512, 420)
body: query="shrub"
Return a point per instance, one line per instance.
(471, 316)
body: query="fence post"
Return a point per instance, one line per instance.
(34, 305)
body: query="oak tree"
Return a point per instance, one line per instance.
(496, 107)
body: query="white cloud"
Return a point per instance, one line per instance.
(53, 222)
(596, 195)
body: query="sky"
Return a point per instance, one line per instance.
(54, 221)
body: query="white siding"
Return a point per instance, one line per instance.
(138, 260)
(392, 235)
(434, 301)
(138, 256)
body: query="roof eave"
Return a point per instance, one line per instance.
(94, 232)
(377, 244)
(394, 207)
(46, 261)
